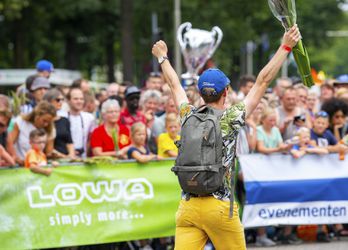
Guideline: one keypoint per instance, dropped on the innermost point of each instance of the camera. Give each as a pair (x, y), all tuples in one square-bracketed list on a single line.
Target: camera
[(301, 118), (80, 151)]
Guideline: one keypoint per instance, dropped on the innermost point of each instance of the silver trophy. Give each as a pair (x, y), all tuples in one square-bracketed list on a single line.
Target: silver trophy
[(197, 46)]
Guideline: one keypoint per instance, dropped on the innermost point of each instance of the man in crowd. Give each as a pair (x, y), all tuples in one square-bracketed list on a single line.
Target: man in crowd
[(246, 82), (112, 89), (302, 94), (288, 111), (82, 84), (81, 123), (131, 114), (327, 91), (154, 81), (282, 84)]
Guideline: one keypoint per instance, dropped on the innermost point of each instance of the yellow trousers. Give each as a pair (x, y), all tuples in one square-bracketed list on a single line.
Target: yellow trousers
[(201, 218)]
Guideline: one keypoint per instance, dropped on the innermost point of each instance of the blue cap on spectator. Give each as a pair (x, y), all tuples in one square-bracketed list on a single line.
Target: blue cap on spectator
[(44, 65), (342, 79), (213, 79)]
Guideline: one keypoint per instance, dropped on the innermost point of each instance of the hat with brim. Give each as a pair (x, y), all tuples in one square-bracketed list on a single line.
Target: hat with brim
[(44, 65), (132, 90), (213, 79), (39, 83), (341, 80)]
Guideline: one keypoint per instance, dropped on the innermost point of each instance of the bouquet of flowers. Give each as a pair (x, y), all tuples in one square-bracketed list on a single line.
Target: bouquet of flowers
[(285, 12)]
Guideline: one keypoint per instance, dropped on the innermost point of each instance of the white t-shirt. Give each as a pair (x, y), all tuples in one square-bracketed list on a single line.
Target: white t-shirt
[(22, 144), (80, 126)]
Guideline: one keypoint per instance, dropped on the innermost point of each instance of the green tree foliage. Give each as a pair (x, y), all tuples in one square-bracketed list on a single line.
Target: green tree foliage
[(82, 34)]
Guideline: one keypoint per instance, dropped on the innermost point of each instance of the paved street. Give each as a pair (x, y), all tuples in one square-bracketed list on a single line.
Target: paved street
[(335, 245)]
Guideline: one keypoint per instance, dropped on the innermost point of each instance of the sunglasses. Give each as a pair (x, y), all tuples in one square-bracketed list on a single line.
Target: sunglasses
[(59, 99), (155, 74), (322, 114)]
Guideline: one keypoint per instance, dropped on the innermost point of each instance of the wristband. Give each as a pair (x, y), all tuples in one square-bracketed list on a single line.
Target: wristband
[(286, 47)]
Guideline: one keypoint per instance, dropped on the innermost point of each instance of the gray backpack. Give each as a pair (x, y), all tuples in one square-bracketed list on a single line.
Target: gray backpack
[(199, 163)]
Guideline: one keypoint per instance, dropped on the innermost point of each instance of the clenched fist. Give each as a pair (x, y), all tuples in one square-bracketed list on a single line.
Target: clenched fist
[(160, 49)]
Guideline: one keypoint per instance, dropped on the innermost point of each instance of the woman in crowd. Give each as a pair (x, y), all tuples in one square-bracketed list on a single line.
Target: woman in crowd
[(150, 103), (5, 158), (138, 149), (42, 116), (338, 111), (110, 138), (63, 144)]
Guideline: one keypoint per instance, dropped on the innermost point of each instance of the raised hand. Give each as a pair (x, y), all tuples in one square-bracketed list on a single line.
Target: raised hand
[(160, 49), (292, 36)]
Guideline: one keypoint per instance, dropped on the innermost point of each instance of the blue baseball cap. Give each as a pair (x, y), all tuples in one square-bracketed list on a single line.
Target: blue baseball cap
[(213, 79), (44, 65)]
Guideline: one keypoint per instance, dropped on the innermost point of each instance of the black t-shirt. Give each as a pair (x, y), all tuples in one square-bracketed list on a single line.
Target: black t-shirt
[(3, 139), (63, 136)]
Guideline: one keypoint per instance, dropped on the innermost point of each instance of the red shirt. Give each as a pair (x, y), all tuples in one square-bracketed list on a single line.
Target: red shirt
[(128, 120), (100, 138)]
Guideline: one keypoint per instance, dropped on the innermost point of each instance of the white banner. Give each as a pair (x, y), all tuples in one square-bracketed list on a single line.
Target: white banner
[(281, 190)]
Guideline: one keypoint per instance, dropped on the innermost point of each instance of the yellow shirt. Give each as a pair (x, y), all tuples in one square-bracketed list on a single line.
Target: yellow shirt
[(166, 143)]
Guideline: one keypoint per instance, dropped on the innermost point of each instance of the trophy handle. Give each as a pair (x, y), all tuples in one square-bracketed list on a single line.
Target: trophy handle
[(179, 36), (219, 35)]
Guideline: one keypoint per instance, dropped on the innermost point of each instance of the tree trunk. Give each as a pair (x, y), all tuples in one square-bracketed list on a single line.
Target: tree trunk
[(70, 53), (110, 56), (18, 50), (127, 39)]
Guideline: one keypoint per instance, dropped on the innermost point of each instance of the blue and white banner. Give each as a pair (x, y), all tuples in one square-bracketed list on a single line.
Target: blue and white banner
[(281, 190)]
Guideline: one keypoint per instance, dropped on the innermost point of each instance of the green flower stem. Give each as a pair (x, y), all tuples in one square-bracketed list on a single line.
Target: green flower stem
[(303, 63), (114, 134)]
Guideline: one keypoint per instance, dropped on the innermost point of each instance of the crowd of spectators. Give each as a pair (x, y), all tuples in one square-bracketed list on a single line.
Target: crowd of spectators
[(296, 120), (129, 121)]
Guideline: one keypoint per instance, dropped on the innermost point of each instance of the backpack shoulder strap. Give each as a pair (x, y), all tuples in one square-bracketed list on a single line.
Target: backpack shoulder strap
[(202, 109)]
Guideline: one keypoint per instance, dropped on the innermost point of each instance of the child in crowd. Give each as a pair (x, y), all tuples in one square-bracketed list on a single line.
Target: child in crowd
[(138, 150), (35, 158), (323, 137), (269, 139), (166, 146), (305, 145)]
